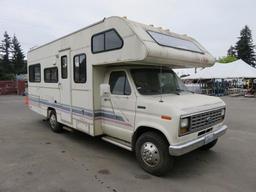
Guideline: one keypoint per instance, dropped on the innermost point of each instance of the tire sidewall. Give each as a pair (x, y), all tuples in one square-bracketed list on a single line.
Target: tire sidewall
[(55, 128), (165, 159)]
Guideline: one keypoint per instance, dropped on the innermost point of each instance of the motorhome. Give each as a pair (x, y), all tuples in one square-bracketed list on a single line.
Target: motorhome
[(114, 79)]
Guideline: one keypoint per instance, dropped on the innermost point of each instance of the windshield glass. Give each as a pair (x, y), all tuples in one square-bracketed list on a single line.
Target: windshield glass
[(157, 81)]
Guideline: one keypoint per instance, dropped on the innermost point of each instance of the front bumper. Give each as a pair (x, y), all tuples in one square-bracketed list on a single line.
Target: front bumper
[(177, 150)]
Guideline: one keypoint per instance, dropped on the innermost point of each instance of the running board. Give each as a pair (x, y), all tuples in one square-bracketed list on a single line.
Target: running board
[(118, 142)]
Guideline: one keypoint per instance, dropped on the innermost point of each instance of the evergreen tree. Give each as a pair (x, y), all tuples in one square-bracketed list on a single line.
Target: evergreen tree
[(232, 51), (5, 51), (245, 47), (17, 59), (1, 68)]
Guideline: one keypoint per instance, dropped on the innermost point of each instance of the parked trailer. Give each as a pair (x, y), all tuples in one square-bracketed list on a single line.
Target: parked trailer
[(114, 79)]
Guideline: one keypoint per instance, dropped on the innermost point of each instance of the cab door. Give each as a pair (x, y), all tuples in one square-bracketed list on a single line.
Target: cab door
[(118, 112), (65, 86)]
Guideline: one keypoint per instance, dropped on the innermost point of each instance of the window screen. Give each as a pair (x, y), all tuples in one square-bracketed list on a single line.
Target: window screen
[(80, 68), (35, 73), (106, 41), (64, 67), (51, 75), (170, 41), (119, 84)]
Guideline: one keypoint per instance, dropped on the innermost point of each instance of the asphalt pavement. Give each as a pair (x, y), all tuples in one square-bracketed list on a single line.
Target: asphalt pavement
[(32, 158)]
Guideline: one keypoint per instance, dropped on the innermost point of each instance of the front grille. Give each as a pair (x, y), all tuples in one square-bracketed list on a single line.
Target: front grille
[(205, 120)]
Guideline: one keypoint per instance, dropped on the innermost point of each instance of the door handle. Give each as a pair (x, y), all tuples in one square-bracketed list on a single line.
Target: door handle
[(59, 85), (106, 99)]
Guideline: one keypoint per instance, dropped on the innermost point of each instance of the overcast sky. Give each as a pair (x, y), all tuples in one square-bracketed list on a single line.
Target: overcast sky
[(214, 23)]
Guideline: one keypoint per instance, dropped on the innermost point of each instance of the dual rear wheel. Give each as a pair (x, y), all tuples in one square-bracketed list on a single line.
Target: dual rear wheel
[(53, 122)]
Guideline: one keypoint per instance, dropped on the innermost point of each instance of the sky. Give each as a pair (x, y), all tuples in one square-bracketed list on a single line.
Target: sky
[(216, 24)]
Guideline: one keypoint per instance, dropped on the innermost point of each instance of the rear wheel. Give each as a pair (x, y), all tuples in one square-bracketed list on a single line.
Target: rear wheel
[(54, 124), (209, 145), (152, 153)]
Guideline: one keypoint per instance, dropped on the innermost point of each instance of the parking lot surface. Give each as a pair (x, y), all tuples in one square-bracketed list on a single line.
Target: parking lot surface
[(32, 158)]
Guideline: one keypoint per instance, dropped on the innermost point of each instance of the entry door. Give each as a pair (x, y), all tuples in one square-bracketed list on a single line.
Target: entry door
[(118, 112), (65, 86)]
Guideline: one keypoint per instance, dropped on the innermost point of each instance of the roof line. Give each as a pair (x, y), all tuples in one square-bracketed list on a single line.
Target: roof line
[(101, 21)]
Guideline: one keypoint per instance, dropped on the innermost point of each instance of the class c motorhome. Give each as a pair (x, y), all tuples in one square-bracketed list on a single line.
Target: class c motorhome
[(114, 79)]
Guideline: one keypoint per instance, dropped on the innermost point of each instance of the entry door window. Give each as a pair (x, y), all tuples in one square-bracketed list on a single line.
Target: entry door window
[(64, 67), (119, 84)]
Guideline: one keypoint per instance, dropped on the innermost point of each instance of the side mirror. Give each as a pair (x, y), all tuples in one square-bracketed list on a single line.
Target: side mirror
[(105, 90)]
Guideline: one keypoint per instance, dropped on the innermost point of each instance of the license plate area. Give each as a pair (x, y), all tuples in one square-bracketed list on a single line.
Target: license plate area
[(208, 138)]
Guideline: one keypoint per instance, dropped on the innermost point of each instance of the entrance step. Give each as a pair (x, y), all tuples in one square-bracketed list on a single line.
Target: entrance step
[(118, 142)]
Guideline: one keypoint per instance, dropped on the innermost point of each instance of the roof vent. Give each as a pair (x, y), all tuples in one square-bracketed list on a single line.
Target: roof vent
[(151, 25), (125, 17)]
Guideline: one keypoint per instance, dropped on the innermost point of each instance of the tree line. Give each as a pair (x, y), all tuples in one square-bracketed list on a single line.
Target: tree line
[(244, 49), (12, 58)]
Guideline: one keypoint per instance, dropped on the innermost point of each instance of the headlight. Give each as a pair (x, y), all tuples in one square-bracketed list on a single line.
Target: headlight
[(184, 126), (222, 112), (184, 123)]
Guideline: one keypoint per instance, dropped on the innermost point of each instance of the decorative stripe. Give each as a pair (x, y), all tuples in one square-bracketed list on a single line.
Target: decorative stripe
[(90, 114)]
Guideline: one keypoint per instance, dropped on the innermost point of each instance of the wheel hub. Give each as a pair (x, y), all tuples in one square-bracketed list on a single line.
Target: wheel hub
[(150, 154), (53, 121)]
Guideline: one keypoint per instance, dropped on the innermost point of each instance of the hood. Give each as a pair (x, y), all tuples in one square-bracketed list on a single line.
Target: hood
[(190, 103)]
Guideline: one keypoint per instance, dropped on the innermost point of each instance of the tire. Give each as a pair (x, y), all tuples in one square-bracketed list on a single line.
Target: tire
[(209, 145), (55, 126), (152, 154)]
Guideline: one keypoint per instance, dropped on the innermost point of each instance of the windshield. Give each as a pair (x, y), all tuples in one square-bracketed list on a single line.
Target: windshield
[(157, 81)]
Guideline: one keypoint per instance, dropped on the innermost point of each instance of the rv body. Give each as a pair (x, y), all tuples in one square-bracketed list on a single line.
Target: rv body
[(95, 80)]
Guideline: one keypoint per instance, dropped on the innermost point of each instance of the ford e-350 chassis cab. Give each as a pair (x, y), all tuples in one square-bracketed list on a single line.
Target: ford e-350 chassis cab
[(114, 79)]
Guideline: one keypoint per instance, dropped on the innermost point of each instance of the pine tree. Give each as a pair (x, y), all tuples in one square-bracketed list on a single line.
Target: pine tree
[(232, 51), (5, 51), (17, 59), (245, 47), (1, 68)]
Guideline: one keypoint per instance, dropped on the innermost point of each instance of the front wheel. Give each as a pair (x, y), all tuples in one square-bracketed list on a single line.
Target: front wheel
[(152, 153)]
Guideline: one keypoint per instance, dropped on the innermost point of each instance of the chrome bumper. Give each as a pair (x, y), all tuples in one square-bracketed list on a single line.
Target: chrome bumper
[(177, 150)]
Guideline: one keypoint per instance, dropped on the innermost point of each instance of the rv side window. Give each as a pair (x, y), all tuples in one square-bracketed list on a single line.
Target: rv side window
[(80, 68), (64, 67), (174, 42), (35, 73), (112, 40), (51, 75), (106, 41), (98, 43), (119, 84)]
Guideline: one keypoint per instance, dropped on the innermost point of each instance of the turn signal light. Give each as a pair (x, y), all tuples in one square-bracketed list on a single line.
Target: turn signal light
[(183, 130), (166, 117)]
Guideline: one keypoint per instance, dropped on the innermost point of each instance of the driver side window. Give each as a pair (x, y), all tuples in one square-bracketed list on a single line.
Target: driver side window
[(119, 84)]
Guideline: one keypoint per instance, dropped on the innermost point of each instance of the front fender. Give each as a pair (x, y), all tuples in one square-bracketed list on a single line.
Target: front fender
[(153, 125)]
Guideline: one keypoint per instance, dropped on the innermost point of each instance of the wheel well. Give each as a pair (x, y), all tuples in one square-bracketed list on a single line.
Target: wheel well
[(48, 111), (145, 129)]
